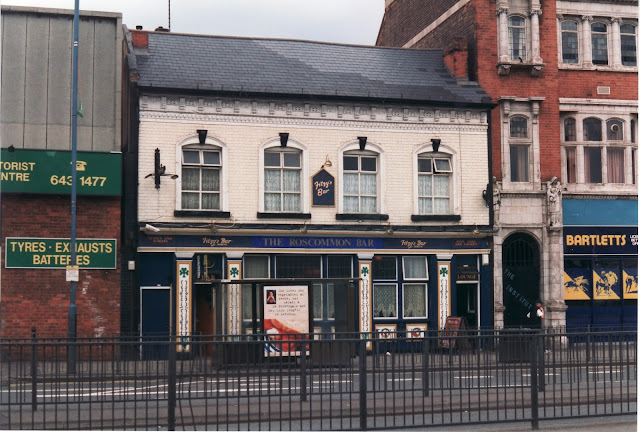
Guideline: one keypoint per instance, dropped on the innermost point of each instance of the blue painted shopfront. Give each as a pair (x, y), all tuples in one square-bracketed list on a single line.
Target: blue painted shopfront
[(601, 263)]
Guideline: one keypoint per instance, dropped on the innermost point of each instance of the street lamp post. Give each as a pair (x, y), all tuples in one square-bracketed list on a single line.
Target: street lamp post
[(71, 361)]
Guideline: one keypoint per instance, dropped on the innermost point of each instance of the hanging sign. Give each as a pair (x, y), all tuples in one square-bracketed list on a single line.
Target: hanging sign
[(323, 187)]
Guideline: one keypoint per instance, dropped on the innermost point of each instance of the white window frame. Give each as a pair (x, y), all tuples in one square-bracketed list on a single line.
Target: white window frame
[(426, 299), (304, 170), (224, 183), (381, 174), (373, 303), (454, 186), (527, 38), (426, 265), (607, 37)]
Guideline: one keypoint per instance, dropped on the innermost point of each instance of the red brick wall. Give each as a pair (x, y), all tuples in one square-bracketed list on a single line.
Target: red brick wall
[(40, 297), (581, 84), (403, 19)]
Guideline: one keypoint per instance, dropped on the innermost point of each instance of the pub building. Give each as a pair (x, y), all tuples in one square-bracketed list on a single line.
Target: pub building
[(368, 187), (601, 263)]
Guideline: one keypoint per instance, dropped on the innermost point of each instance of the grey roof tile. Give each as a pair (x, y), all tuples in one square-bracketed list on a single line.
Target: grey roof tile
[(293, 67)]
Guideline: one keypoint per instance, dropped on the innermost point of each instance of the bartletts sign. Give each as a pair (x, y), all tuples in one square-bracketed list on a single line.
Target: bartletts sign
[(56, 253), (49, 172)]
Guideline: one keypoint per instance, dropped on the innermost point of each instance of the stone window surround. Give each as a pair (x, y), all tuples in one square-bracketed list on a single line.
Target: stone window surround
[(511, 106), (584, 42), (224, 184), (304, 173), (531, 16), (455, 187), (580, 109), (381, 175)]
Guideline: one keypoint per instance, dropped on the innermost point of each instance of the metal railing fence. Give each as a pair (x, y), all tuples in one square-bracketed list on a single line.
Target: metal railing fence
[(317, 381)]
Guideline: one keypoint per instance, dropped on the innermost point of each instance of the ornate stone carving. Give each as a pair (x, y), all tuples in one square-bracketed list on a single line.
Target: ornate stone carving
[(554, 201)]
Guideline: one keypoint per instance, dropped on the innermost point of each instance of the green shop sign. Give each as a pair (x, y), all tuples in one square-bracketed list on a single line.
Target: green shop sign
[(49, 172), (56, 253)]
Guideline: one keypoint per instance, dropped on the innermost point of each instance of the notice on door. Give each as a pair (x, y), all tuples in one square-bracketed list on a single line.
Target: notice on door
[(286, 318)]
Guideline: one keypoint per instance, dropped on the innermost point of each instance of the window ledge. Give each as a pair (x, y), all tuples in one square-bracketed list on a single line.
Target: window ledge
[(202, 213), (435, 218), (504, 67), (362, 216), (602, 68), (284, 215)]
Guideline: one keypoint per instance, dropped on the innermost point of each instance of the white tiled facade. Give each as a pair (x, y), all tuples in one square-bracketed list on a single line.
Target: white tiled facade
[(243, 127)]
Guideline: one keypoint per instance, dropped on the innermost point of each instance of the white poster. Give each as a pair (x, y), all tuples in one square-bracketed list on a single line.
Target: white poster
[(286, 318)]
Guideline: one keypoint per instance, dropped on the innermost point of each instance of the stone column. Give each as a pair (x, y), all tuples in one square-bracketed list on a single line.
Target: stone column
[(616, 49), (587, 54), (535, 36)]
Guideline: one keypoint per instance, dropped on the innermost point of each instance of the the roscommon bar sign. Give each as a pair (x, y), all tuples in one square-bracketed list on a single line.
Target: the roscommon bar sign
[(56, 253), (49, 172)]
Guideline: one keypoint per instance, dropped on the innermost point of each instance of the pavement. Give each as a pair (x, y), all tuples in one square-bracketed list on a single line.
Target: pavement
[(618, 423)]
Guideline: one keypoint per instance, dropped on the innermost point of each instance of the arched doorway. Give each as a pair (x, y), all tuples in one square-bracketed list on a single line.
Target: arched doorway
[(521, 278)]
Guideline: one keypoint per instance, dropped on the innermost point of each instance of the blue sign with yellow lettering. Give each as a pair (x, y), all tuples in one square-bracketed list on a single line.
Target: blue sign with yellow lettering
[(323, 187), (604, 240)]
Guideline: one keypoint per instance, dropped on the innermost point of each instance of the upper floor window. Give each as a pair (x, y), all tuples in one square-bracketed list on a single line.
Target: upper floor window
[(282, 180), (517, 38), (360, 181), (201, 165), (628, 44), (600, 54), (592, 128), (434, 183), (570, 129), (601, 157), (569, 41), (614, 130), (519, 148)]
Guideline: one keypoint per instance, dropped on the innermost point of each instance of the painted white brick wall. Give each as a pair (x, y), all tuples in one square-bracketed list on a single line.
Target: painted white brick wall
[(243, 139)]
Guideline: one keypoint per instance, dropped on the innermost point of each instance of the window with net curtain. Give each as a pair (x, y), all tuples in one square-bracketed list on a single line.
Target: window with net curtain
[(434, 183), (615, 155), (519, 149), (282, 180), (360, 182), (517, 38), (200, 177), (415, 293)]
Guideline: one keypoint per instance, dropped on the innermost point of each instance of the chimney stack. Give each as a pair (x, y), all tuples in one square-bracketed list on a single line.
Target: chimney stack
[(457, 58)]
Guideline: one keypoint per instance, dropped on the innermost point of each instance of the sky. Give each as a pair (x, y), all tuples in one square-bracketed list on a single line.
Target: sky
[(341, 21)]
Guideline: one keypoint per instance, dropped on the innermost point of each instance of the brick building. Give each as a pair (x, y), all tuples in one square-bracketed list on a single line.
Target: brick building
[(36, 167), (282, 159), (564, 146)]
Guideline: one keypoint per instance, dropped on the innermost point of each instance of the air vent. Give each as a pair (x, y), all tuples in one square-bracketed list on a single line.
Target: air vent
[(604, 90)]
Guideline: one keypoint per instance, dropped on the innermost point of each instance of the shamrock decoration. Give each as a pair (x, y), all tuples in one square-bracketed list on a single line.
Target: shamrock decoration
[(184, 272), (234, 272), (443, 271), (365, 271)]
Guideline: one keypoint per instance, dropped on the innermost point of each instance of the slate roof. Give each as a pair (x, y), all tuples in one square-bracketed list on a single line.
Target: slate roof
[(300, 68)]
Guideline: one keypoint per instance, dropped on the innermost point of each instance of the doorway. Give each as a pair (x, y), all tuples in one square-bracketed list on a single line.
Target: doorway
[(467, 303), (521, 278)]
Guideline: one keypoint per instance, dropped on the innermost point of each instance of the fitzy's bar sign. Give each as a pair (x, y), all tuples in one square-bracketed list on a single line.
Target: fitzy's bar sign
[(56, 253), (49, 172)]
